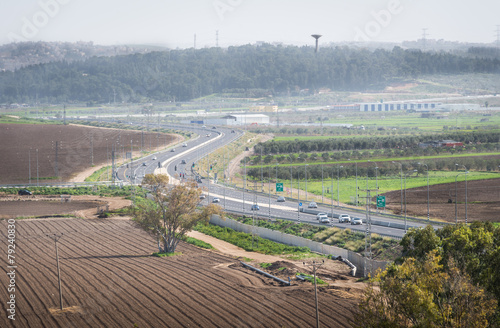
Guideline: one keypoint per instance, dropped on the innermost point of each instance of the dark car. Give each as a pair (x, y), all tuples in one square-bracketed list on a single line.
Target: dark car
[(255, 207), (24, 192)]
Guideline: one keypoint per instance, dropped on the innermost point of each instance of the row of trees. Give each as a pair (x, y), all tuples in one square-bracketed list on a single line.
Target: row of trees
[(365, 168), (445, 278), (382, 142), (190, 73)]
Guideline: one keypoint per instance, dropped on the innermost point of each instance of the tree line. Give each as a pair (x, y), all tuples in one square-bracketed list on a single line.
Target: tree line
[(383, 142), (186, 74)]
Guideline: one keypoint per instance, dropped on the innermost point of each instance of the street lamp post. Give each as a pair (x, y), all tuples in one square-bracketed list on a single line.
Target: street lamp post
[(305, 171), (427, 169), (465, 169), (456, 191), (401, 175), (331, 190), (338, 185), (322, 187), (406, 175), (376, 176), (276, 189), (298, 196), (269, 191), (37, 183)]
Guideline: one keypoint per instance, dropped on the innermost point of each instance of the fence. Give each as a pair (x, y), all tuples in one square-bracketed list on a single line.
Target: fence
[(357, 259)]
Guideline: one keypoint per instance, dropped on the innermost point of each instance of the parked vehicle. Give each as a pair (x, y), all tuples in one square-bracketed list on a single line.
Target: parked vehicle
[(24, 192), (280, 199), (312, 205), (356, 221), (344, 218)]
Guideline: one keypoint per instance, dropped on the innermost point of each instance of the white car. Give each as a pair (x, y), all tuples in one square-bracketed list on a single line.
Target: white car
[(356, 221), (324, 220), (216, 200), (344, 218), (312, 205), (319, 216), (154, 158)]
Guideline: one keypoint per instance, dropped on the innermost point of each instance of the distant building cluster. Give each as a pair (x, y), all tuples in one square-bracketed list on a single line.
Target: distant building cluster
[(236, 119), (417, 107)]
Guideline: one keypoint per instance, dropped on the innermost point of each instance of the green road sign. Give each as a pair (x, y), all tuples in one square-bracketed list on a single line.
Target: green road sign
[(279, 186), (380, 201)]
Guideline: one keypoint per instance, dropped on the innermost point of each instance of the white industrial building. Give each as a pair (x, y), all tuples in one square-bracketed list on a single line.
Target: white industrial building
[(239, 119), (418, 107)]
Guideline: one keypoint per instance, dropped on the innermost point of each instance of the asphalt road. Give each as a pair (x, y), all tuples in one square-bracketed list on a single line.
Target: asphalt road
[(178, 161)]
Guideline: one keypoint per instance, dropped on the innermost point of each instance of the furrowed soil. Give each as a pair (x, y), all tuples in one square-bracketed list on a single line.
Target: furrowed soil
[(65, 150), (483, 201), (109, 279)]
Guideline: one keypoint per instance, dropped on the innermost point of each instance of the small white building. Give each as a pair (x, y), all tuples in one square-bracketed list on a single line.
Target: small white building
[(239, 119)]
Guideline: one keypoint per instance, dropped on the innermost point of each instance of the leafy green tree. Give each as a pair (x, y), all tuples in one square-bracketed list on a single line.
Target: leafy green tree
[(424, 294), (172, 212)]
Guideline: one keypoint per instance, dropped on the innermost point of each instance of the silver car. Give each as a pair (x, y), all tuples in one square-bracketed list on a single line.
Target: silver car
[(356, 221)]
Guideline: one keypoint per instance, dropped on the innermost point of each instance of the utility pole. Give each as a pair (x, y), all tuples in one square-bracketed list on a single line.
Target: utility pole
[(315, 265), (92, 148), (368, 236), (57, 151), (29, 166), (56, 237), (37, 184)]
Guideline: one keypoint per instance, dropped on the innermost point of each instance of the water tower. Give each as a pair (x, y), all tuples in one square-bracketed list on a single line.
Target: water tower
[(316, 36)]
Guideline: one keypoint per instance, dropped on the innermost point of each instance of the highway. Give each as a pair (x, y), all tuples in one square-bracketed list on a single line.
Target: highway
[(178, 162)]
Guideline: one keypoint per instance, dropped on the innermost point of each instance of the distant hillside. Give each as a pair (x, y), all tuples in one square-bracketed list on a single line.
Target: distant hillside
[(253, 71), (17, 55)]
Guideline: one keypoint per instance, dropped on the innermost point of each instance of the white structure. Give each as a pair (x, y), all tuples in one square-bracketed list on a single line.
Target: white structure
[(418, 107), (239, 119)]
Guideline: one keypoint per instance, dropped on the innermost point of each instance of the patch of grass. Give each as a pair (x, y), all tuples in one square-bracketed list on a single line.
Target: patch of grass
[(246, 241), (199, 243), (281, 269), (265, 265), (157, 254), (310, 278), (246, 259)]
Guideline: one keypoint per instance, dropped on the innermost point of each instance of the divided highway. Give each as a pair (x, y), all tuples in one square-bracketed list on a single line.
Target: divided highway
[(178, 161)]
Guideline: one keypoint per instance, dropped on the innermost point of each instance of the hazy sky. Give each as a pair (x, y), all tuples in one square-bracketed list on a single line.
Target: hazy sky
[(174, 23)]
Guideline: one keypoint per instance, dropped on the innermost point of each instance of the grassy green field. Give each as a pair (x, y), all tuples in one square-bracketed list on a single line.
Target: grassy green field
[(347, 186)]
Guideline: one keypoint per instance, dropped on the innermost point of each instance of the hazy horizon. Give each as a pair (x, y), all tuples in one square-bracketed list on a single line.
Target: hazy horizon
[(174, 23)]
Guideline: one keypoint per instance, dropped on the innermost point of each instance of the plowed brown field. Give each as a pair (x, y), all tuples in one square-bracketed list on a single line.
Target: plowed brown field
[(75, 147), (483, 201), (109, 280)]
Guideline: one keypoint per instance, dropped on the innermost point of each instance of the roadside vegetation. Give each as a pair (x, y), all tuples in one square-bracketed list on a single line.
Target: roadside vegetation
[(248, 242), (383, 248)]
